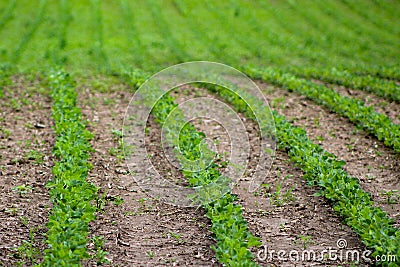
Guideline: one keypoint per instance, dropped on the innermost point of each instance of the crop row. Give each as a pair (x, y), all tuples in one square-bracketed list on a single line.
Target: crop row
[(65, 17), (322, 169), (8, 13), (70, 193), (384, 88), (33, 26), (372, 122), (392, 73), (365, 11), (228, 225)]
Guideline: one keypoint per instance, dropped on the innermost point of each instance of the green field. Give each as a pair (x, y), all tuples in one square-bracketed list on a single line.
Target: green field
[(68, 69), (360, 36)]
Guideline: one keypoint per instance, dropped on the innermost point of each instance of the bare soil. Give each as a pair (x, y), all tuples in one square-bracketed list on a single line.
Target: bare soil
[(25, 167)]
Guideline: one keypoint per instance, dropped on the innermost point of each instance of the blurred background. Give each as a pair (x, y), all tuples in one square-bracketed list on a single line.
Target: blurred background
[(110, 34)]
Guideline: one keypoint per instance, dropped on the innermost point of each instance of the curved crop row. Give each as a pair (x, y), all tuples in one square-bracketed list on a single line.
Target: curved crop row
[(375, 123), (384, 88), (368, 14), (33, 26), (7, 13), (228, 224), (385, 72), (324, 170), (97, 25), (65, 18), (69, 192)]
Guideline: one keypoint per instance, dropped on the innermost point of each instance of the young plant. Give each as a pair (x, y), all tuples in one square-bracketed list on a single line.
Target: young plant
[(27, 250), (279, 198), (22, 190), (305, 240), (150, 254), (392, 196), (99, 253), (34, 155)]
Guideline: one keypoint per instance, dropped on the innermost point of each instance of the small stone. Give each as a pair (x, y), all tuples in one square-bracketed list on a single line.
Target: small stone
[(40, 126), (121, 171)]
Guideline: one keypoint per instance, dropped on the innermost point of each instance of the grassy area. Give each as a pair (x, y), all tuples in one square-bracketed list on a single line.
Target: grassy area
[(108, 35)]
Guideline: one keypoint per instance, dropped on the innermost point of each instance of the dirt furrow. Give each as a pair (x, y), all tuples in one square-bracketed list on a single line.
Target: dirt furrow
[(26, 159), (138, 230), (375, 166), (389, 108)]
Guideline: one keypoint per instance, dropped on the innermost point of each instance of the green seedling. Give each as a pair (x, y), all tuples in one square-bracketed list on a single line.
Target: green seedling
[(15, 104), (282, 226), (122, 150), (117, 134), (29, 125), (101, 202), (278, 102), (174, 235), (22, 190), (370, 177), (24, 221), (317, 122), (266, 186), (150, 254), (142, 201), (108, 101), (13, 211), (305, 240), (34, 155), (118, 201), (6, 133), (112, 151), (28, 143), (279, 197), (392, 196), (99, 253), (27, 250), (178, 237)]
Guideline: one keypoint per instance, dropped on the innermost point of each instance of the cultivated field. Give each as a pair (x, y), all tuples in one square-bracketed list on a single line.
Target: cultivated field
[(79, 160)]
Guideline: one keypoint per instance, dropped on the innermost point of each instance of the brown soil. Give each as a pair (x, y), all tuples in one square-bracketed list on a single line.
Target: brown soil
[(367, 159), (26, 129), (389, 108), (141, 231)]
